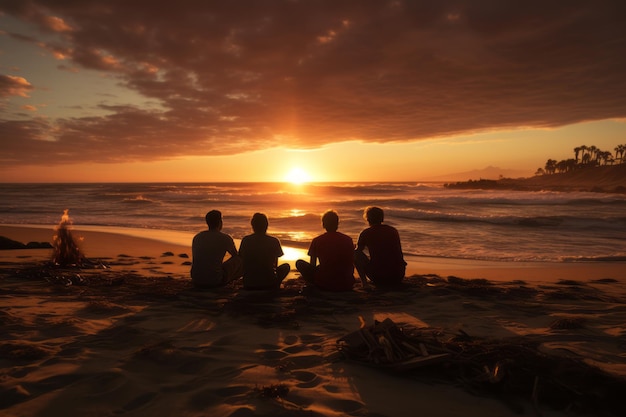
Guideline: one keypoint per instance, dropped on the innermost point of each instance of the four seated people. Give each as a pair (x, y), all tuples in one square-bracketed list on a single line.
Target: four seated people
[(333, 256)]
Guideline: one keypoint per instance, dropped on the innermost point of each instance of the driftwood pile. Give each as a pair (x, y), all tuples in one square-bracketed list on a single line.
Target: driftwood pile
[(385, 344), (513, 370)]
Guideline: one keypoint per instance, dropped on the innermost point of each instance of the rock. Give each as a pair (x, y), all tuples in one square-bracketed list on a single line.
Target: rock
[(6, 244), (38, 245)]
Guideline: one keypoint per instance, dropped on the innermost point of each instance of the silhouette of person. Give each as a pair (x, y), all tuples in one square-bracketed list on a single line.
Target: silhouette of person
[(385, 265), (335, 252), (260, 252), (208, 248)]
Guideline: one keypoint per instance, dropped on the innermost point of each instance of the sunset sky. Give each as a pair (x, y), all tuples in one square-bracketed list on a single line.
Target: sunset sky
[(356, 90)]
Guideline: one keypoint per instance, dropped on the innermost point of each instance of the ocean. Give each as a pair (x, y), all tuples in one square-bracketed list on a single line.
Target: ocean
[(433, 221)]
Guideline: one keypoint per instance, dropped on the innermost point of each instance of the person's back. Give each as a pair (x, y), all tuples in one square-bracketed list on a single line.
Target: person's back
[(383, 243), (260, 253), (385, 265), (335, 252), (208, 249)]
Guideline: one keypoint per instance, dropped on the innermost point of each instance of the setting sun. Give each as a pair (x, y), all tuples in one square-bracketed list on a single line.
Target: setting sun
[(297, 176)]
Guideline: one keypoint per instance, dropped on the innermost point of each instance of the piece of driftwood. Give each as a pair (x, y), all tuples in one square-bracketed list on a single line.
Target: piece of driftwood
[(513, 370)]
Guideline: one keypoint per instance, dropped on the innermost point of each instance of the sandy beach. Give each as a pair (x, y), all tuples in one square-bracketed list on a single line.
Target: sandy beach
[(128, 335)]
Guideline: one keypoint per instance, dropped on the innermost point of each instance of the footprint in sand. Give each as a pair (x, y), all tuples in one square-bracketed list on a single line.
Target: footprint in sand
[(232, 391), (346, 406), (138, 402), (307, 379), (267, 346), (229, 371), (295, 349), (310, 338), (273, 354), (334, 389)]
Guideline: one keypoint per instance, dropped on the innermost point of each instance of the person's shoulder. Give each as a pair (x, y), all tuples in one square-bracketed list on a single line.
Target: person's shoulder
[(319, 237), (200, 234), (340, 235), (367, 230), (255, 237), (226, 236), (273, 238)]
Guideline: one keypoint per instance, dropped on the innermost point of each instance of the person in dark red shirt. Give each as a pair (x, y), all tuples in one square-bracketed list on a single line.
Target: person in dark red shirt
[(385, 265), (335, 253)]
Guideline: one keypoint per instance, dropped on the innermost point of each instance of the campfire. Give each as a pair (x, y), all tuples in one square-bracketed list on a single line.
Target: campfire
[(66, 250)]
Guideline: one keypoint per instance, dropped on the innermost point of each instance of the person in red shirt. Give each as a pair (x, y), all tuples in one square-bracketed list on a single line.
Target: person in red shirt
[(335, 253), (385, 265)]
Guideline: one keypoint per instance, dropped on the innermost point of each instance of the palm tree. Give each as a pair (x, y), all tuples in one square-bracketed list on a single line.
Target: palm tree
[(584, 150), (592, 152), (570, 164), (577, 151), (585, 159), (605, 156), (619, 152), (550, 166)]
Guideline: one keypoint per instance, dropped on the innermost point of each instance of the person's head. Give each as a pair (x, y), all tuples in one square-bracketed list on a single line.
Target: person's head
[(214, 219), (330, 221), (259, 223), (374, 215)]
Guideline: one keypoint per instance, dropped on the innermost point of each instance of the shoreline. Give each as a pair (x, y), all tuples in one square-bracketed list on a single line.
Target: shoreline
[(106, 243)]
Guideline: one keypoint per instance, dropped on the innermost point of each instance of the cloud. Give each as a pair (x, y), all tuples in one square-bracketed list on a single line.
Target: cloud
[(245, 75), (11, 85)]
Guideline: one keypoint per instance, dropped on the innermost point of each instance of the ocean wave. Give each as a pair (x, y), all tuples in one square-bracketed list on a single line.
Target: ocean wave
[(139, 199), (487, 217), (616, 258)]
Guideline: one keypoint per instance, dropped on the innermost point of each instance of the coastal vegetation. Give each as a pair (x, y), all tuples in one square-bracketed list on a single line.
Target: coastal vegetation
[(591, 169), (584, 157)]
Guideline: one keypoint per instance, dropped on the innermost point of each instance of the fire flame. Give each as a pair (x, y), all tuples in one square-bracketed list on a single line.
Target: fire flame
[(66, 249)]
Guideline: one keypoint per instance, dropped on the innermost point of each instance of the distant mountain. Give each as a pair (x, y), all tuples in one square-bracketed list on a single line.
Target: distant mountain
[(489, 173)]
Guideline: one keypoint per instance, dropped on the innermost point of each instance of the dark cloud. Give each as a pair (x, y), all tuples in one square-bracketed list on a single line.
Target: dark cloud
[(243, 75)]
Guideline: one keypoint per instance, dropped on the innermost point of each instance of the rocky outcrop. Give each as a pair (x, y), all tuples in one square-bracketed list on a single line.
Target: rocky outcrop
[(7, 244)]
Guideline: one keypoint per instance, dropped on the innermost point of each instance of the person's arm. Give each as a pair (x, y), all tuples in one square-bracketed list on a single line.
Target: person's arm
[(360, 246), (400, 247), (313, 260), (279, 252), (231, 248), (242, 246)]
